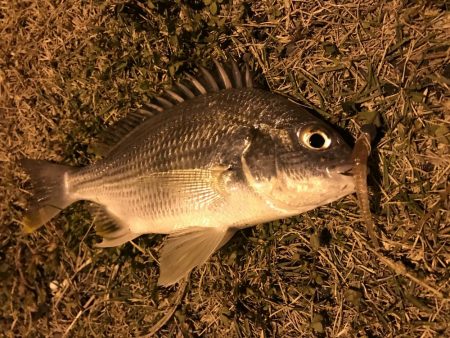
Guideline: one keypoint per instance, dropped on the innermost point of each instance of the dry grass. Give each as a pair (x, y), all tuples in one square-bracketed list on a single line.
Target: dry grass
[(68, 67)]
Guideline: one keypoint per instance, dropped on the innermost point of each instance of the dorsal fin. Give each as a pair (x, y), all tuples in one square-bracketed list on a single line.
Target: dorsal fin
[(115, 133), (224, 76)]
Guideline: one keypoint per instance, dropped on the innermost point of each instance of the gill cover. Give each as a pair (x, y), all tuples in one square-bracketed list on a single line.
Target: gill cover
[(261, 167)]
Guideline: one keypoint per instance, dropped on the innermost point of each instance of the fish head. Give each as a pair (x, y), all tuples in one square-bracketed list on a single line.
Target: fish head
[(299, 164)]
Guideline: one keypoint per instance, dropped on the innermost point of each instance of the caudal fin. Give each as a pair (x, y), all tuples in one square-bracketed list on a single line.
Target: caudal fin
[(50, 194)]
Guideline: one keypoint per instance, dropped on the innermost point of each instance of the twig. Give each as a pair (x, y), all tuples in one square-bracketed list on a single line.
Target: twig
[(402, 270), (85, 307), (169, 314)]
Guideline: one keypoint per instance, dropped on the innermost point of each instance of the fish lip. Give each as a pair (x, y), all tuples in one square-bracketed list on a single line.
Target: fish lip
[(345, 169)]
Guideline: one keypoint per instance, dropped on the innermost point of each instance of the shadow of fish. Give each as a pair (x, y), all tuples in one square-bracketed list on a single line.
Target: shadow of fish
[(211, 156)]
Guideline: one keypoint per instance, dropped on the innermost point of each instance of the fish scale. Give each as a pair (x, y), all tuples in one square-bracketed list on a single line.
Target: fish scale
[(213, 156)]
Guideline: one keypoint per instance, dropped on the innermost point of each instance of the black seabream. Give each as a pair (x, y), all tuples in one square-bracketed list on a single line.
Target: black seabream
[(211, 156)]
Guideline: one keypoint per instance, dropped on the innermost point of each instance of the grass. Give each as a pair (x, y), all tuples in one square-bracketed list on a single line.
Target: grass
[(69, 67)]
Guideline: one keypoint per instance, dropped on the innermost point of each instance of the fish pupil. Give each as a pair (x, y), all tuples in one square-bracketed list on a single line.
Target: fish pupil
[(316, 141)]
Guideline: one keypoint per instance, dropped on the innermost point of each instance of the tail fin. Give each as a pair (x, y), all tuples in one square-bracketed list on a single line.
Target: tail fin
[(50, 192)]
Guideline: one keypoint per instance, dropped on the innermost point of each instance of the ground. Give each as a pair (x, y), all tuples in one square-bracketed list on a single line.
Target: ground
[(70, 67)]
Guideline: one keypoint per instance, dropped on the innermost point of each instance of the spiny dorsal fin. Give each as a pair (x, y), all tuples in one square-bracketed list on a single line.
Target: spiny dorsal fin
[(224, 76)]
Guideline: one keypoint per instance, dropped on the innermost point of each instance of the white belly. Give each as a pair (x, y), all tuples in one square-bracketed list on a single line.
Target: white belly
[(239, 210)]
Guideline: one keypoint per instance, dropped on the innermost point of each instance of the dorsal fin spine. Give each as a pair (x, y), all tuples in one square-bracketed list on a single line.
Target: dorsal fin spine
[(164, 102), (237, 75), (197, 84), (153, 107), (145, 112), (248, 78), (174, 95), (186, 91), (209, 79), (223, 75)]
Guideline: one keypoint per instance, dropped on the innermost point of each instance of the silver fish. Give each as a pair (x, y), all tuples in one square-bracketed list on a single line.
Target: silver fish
[(212, 156)]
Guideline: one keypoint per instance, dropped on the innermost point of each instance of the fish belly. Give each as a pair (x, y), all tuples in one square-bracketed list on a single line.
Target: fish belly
[(237, 211), (149, 208)]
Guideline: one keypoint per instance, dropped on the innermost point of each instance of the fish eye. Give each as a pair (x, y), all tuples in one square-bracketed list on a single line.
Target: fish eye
[(315, 139)]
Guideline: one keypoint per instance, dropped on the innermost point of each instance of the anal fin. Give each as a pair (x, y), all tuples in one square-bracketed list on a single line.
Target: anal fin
[(113, 230), (187, 249)]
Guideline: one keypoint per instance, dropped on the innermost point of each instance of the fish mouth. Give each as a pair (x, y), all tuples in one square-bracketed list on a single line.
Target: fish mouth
[(345, 169)]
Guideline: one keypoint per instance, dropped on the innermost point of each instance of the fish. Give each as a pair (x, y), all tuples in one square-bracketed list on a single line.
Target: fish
[(212, 155)]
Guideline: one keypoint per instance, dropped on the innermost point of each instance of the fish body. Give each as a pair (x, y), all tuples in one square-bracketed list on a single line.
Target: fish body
[(218, 156)]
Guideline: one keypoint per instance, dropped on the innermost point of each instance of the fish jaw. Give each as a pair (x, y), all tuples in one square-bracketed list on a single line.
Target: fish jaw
[(319, 188), (291, 196)]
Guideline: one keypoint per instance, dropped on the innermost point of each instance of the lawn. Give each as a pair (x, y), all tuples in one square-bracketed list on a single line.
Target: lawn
[(68, 68)]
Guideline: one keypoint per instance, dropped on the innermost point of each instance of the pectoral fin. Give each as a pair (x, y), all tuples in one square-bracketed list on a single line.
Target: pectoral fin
[(187, 249), (200, 186)]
